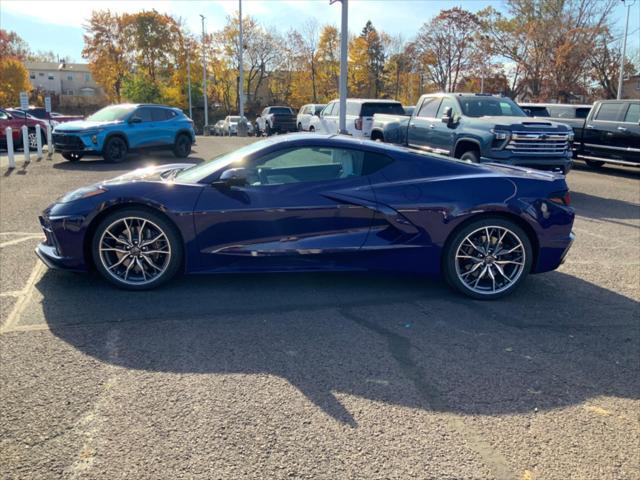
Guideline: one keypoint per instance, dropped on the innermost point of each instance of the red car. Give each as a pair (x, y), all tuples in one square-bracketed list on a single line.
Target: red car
[(15, 120), (42, 114)]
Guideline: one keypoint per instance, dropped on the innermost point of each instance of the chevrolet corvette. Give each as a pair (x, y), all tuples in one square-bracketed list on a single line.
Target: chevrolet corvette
[(307, 202)]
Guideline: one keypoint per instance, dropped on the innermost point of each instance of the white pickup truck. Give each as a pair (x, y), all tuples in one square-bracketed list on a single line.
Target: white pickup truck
[(360, 112)]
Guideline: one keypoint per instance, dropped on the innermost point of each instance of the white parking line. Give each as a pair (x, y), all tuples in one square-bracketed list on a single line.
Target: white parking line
[(38, 269), (20, 240)]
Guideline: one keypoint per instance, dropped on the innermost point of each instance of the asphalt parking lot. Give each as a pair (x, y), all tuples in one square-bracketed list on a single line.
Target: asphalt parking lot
[(319, 375)]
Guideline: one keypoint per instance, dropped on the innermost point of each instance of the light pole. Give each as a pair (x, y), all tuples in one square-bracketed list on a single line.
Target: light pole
[(241, 129), (204, 81), (344, 42), (189, 82), (628, 4)]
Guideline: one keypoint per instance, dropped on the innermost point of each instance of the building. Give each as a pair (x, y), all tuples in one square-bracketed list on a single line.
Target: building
[(631, 87), (71, 84)]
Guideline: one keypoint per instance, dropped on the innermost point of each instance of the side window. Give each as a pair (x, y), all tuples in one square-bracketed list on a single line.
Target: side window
[(610, 111), (633, 113), (306, 164), (353, 108), (336, 109), (329, 109), (374, 162), (264, 112), (159, 114), (3, 116), (429, 107), (144, 113), (582, 112), (447, 102)]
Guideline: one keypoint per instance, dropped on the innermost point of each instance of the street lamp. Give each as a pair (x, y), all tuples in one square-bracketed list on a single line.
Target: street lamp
[(344, 37), (628, 4), (189, 81), (204, 81)]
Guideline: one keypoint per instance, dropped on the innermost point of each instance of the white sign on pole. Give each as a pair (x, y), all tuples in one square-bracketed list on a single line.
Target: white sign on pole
[(47, 104), (24, 100)]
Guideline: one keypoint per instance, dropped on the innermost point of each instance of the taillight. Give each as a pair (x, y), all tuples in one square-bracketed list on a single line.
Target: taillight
[(359, 123), (561, 198)]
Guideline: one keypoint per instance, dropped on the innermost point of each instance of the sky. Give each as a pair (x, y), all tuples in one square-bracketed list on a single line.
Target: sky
[(57, 24)]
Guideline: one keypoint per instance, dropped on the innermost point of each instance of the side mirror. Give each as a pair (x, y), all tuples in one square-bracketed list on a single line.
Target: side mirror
[(234, 177), (447, 117), (135, 120)]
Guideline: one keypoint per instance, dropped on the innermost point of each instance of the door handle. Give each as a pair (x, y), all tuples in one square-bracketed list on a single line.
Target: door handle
[(622, 129), (590, 126)]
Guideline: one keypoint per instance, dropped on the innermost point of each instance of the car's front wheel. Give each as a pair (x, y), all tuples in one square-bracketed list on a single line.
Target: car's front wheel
[(136, 249), (182, 147), (312, 129), (471, 156), (488, 258), (72, 156), (115, 150)]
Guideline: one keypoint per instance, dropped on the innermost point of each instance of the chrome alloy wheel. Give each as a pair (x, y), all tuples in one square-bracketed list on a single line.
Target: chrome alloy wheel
[(134, 250), (490, 259)]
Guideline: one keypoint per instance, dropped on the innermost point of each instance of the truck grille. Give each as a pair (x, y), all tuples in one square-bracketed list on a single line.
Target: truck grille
[(538, 143), (68, 141)]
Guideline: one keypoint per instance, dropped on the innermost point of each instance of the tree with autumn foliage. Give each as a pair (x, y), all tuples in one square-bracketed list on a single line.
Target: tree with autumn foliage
[(14, 78)]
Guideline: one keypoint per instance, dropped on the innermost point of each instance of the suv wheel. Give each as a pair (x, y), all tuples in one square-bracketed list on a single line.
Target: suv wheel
[(594, 163), (488, 258), (471, 156), (182, 147), (115, 150)]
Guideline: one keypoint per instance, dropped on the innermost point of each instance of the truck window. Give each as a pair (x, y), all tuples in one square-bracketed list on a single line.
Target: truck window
[(582, 112), (447, 102), (429, 107), (533, 111), (329, 109), (478, 106), (353, 108), (369, 109), (281, 110), (610, 112), (633, 114)]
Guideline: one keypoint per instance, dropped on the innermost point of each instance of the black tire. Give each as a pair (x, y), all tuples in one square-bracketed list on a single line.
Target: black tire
[(182, 146), (33, 143), (457, 242), (594, 163), (299, 127), (72, 156), (471, 156), (115, 150), (267, 129), (173, 239), (312, 129)]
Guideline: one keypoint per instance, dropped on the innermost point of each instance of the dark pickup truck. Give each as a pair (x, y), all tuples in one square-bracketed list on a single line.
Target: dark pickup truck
[(479, 128), (607, 132), (276, 120)]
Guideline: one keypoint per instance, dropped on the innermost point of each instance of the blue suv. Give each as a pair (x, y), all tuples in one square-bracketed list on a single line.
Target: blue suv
[(118, 129)]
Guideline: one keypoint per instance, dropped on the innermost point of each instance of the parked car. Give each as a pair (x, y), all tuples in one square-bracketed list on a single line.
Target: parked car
[(42, 114), (217, 128), (306, 202), (409, 110), (8, 118), (305, 114), (608, 132), (115, 130), (276, 120), (479, 128), (359, 116), (230, 125)]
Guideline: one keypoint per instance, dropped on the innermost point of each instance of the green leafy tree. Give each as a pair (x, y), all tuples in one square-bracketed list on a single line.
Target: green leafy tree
[(139, 88)]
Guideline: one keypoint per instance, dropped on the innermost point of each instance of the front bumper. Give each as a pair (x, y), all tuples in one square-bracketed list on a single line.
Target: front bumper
[(64, 244), (73, 143), (557, 164)]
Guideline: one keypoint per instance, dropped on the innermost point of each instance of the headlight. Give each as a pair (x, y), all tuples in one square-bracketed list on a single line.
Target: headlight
[(501, 134), (571, 136), (84, 192)]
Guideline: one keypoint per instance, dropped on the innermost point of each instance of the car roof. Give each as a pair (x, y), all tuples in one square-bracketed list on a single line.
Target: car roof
[(368, 100), (576, 105)]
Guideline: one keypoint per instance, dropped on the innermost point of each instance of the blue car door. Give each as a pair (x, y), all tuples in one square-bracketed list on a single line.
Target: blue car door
[(443, 134), (299, 205), (164, 125), (421, 124), (142, 133)]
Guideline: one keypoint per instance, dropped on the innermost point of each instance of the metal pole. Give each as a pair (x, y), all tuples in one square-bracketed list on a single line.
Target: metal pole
[(344, 39), (9, 134), (25, 144), (624, 48), (189, 82), (240, 64), (204, 81)]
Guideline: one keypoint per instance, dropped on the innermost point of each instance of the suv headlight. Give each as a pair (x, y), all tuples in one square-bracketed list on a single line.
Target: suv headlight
[(500, 138), (571, 136)]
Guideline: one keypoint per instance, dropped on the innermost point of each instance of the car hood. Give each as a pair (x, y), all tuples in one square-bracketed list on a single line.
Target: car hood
[(154, 172), (523, 123), (83, 125)]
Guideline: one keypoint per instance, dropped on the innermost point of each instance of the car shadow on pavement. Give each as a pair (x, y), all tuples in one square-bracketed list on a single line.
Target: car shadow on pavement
[(609, 170), (132, 162), (592, 206), (400, 340)]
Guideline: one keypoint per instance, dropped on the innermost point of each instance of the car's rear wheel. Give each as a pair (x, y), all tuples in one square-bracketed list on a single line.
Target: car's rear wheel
[(312, 129), (471, 156), (299, 127), (594, 163), (182, 147), (115, 150), (488, 258), (72, 156), (136, 249)]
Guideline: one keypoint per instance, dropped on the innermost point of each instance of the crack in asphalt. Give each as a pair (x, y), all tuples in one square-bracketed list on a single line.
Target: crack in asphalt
[(400, 348)]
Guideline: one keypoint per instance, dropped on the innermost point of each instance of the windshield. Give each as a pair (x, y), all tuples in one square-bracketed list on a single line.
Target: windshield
[(234, 119), (477, 106), (370, 109), (281, 110), (198, 172), (112, 113)]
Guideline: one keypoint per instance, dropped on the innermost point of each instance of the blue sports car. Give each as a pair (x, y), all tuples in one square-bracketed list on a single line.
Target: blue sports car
[(118, 129), (306, 202)]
